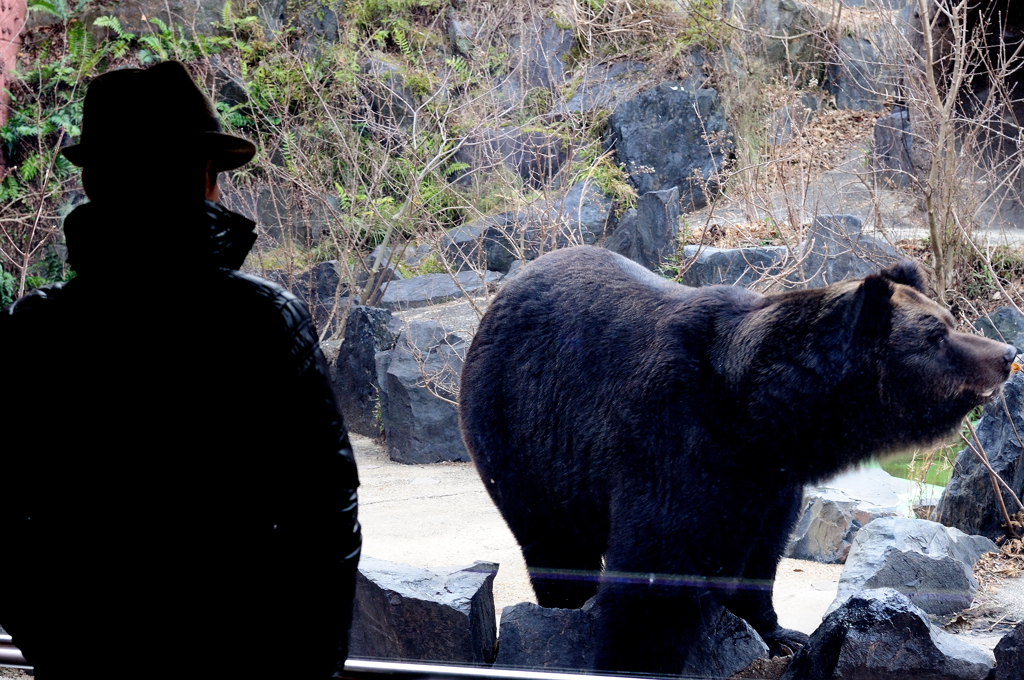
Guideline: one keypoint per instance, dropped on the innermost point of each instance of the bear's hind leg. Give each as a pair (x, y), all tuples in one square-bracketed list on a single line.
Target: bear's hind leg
[(564, 574)]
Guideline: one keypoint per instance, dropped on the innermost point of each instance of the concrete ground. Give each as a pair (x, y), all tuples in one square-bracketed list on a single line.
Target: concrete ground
[(441, 516)]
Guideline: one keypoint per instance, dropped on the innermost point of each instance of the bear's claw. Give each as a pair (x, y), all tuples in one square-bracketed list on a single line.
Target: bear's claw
[(784, 642)]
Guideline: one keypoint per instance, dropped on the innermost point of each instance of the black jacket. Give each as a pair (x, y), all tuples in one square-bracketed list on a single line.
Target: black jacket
[(178, 489)]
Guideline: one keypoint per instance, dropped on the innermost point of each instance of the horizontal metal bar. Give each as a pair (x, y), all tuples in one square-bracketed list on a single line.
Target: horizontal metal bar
[(365, 669)]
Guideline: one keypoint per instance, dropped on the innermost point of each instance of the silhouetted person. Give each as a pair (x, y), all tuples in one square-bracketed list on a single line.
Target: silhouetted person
[(178, 490)]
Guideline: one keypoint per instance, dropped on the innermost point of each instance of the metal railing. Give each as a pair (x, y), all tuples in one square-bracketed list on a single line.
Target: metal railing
[(366, 669)]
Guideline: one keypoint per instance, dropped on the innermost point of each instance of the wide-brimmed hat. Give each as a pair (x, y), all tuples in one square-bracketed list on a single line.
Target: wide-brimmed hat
[(157, 112)]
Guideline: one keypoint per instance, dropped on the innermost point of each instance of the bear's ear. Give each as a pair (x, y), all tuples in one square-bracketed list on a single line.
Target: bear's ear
[(875, 305), (908, 273)]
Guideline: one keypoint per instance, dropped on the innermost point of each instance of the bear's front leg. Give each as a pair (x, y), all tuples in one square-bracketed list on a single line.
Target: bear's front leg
[(752, 598), (648, 623)]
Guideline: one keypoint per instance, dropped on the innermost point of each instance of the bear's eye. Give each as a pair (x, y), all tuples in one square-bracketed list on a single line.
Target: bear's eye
[(937, 337)]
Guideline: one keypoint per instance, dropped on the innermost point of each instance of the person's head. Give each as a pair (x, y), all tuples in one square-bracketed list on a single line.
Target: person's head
[(151, 135)]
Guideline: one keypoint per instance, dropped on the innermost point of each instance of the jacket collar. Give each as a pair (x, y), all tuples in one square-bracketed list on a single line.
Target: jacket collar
[(108, 238)]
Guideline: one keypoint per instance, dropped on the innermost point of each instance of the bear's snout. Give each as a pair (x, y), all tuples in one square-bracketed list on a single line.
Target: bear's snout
[(1009, 356)]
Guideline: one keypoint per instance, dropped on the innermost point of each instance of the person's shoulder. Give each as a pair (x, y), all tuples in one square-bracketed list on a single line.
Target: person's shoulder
[(267, 296)]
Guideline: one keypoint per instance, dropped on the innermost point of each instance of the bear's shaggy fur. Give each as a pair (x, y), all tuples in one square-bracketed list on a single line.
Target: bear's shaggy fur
[(650, 442)]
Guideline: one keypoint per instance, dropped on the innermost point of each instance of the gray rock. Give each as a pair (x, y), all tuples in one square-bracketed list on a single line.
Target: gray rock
[(534, 155), (927, 562), (133, 15), (409, 255), (668, 134), (880, 634), (484, 244), (320, 287), (407, 613), (731, 266), (1010, 655), (534, 637), (224, 81), (394, 104), (785, 17), (647, 235), (783, 121), (538, 60), (554, 639), (829, 523), (461, 34), (602, 87), (431, 289), (862, 74), (316, 26), (1004, 324), (969, 502), (285, 214), (836, 251), (419, 379), (578, 217), (354, 374), (891, 152)]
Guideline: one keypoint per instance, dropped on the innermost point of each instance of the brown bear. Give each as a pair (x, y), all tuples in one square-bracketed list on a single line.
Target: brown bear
[(649, 442)]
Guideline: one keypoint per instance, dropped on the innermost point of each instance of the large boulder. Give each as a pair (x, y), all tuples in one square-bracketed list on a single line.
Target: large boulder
[(1010, 655), (536, 54), (863, 71), (1004, 324), (705, 266), (535, 637), (419, 382), (879, 634), (836, 250), (412, 614), (393, 102), (969, 502), (602, 86), (929, 563), (354, 371), (431, 289), (647, 234), (891, 151), (672, 136), (485, 244), (534, 155), (580, 216), (286, 213), (835, 511)]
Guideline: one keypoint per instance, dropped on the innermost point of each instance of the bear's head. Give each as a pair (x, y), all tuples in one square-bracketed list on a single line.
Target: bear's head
[(856, 369), (932, 376)]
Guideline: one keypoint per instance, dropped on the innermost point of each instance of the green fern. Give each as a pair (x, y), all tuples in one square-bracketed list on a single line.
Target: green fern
[(225, 13), (459, 65), (288, 147), (57, 8), (402, 42)]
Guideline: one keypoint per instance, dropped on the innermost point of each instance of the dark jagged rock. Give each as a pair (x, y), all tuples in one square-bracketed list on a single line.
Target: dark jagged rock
[(647, 235), (554, 639), (537, 56), (880, 635), (602, 87), (1010, 656), (862, 73), (535, 637), (929, 563), (535, 156), (829, 524), (891, 152), (407, 613), (668, 134), (354, 374), (418, 381), (836, 250), (431, 289), (484, 244), (730, 266), (391, 100), (1004, 324), (969, 502), (579, 217), (286, 214)]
